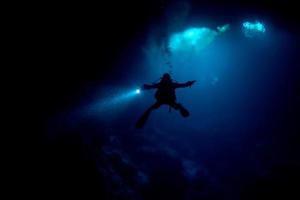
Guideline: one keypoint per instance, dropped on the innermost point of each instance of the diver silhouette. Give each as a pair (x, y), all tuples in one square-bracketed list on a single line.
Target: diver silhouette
[(165, 95)]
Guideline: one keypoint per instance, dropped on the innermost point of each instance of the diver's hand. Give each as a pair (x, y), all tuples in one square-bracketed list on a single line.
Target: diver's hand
[(190, 83)]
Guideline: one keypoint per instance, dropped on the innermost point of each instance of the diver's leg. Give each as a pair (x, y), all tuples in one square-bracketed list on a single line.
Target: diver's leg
[(142, 120), (184, 112)]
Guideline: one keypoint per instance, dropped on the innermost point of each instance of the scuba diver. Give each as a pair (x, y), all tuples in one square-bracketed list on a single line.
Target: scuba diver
[(165, 95)]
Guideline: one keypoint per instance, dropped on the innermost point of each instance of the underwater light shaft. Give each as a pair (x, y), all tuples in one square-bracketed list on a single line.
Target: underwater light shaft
[(254, 26), (195, 38), (251, 29)]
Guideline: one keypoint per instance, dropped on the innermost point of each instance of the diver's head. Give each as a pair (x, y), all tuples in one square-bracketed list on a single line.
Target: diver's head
[(166, 78)]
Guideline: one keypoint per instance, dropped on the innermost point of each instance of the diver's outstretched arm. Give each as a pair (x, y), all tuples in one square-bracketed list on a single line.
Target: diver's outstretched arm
[(183, 85), (148, 87)]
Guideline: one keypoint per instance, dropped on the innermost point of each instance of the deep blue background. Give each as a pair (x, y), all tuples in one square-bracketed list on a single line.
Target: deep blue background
[(240, 142)]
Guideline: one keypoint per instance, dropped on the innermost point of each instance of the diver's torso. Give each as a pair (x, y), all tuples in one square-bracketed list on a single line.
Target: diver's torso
[(165, 93)]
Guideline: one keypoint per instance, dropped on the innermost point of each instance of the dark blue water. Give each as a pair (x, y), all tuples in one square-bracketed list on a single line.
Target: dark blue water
[(240, 141)]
